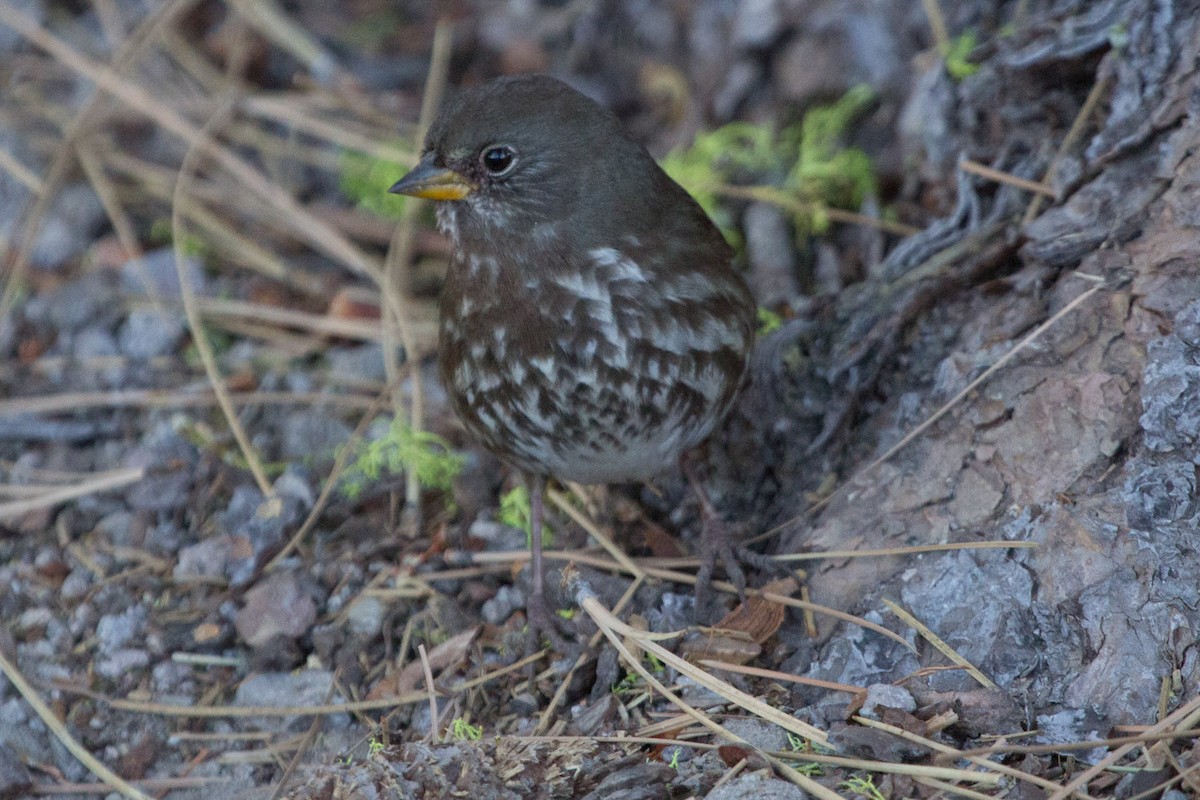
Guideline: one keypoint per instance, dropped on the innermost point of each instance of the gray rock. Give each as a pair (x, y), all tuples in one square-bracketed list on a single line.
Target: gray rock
[(365, 616), (147, 333), (206, 559), (887, 696), (758, 786), (275, 607), (772, 254), (156, 270), (15, 780), (117, 526), (168, 459), (763, 735), (69, 227), (122, 662), (304, 688), (500, 607), (93, 341), (78, 303), (496, 536), (312, 433), (758, 23), (114, 631), (359, 363)]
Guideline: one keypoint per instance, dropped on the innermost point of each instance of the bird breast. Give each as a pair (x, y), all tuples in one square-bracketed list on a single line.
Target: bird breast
[(600, 372)]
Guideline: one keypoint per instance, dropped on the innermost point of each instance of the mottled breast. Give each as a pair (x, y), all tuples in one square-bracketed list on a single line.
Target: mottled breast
[(597, 371)]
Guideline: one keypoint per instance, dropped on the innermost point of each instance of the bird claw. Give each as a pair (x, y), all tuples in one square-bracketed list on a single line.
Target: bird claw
[(717, 546), (541, 621)]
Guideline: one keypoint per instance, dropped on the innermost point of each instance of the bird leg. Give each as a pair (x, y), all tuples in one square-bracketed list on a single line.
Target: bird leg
[(717, 543), (541, 619)]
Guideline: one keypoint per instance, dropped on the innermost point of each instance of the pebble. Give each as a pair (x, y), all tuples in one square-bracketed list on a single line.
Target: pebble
[(885, 695), (758, 786), (365, 616), (148, 332), (500, 607), (304, 688), (277, 606), (157, 270)]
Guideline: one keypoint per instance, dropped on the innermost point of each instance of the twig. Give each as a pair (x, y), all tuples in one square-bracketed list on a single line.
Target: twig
[(107, 482), (1073, 134), (941, 646), (984, 171)]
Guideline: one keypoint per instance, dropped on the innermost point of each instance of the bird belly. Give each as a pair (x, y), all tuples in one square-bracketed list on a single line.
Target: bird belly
[(573, 414)]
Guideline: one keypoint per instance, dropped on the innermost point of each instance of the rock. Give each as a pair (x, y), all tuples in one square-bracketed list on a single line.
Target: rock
[(114, 631), (772, 255), (312, 434), (500, 607), (78, 303), (210, 558), (763, 735), (355, 364), (304, 688), (275, 607), (365, 616), (148, 332), (758, 786), (886, 695), (69, 228), (156, 270), (121, 662), (15, 781)]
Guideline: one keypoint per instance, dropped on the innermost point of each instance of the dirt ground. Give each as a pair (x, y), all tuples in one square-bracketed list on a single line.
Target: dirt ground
[(972, 433)]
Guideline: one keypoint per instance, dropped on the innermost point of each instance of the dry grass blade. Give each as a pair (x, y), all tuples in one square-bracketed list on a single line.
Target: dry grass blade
[(110, 778), (905, 551), (618, 555), (298, 219), (153, 398), (53, 496), (894, 768), (188, 294), (955, 754), (941, 646), (782, 677), (984, 171), (614, 630), (431, 691), (1184, 717)]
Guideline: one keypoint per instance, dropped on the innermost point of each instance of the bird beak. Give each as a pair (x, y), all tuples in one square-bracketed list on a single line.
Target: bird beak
[(433, 183)]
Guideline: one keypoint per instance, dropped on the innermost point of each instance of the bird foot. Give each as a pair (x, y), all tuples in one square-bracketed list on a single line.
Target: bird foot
[(542, 621), (717, 545)]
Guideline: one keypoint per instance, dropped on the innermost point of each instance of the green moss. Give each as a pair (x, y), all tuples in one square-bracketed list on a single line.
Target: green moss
[(956, 55), (366, 180), (768, 321), (516, 512), (430, 457), (804, 168)]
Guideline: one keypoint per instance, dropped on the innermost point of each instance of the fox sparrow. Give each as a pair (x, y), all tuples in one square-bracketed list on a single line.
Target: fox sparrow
[(592, 326)]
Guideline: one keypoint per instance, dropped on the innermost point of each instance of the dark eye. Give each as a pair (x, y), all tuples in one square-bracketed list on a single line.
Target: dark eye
[(498, 160)]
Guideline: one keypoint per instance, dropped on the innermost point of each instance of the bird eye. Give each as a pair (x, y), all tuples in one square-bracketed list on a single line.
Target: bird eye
[(498, 160)]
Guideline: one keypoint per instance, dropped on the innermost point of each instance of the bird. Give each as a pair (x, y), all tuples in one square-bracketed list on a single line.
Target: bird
[(593, 327)]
